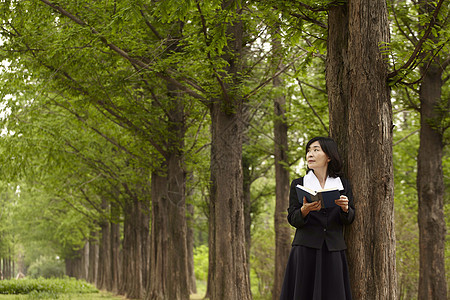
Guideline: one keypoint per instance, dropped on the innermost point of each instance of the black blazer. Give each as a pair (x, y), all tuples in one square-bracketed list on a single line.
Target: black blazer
[(326, 224)]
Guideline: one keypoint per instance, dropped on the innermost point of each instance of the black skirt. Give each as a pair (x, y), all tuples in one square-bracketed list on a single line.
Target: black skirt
[(316, 274)]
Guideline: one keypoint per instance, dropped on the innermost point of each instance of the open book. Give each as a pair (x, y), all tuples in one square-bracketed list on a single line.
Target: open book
[(326, 196)]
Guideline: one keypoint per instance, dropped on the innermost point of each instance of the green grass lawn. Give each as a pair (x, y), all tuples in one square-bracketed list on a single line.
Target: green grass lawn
[(93, 296), (56, 288), (63, 289)]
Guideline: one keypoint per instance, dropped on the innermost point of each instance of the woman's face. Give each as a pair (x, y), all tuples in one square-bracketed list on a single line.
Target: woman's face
[(316, 158)]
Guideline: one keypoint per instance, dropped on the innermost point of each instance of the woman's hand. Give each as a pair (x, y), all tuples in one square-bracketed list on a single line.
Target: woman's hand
[(343, 203), (307, 207)]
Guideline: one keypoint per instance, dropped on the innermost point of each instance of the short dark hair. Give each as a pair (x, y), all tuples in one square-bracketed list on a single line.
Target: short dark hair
[(330, 148)]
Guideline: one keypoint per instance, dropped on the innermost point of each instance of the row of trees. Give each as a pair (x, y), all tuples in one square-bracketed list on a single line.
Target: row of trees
[(134, 129)]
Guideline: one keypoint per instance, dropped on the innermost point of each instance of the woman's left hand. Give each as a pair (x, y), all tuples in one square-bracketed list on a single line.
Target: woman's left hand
[(343, 203)]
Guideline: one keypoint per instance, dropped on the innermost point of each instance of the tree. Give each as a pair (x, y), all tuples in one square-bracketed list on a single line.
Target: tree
[(107, 94), (434, 109), (361, 122), (282, 230), (228, 270), (430, 187), (432, 58), (112, 98)]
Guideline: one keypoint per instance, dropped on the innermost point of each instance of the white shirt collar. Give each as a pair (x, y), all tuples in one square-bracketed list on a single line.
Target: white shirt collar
[(310, 181)]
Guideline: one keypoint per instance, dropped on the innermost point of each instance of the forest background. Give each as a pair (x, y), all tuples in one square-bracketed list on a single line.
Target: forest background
[(147, 143)]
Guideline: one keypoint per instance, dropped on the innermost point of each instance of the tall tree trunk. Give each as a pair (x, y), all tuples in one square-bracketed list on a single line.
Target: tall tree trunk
[(85, 262), (229, 272), (68, 266), (115, 256), (246, 182), (430, 188), (190, 247), (75, 265), (211, 236), (4, 269), (229, 259), (430, 176), (135, 232), (282, 228), (168, 259), (169, 254), (104, 257), (361, 122), (93, 258), (337, 72), (8, 267), (246, 192)]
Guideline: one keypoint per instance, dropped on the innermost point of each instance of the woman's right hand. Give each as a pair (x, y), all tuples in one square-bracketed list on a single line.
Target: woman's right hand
[(307, 207)]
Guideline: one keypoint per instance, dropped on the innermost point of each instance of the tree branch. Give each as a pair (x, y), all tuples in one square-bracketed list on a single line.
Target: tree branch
[(123, 53), (312, 108), (81, 119), (405, 137), (418, 48), (205, 34), (412, 39), (309, 19), (265, 82), (445, 64), (312, 86), (413, 105), (149, 25)]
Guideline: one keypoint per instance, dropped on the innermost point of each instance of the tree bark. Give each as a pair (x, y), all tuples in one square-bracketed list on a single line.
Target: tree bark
[(169, 254), (228, 270), (246, 194), (168, 260), (5, 269), (136, 230), (361, 122), (93, 258), (430, 189), (70, 269), (115, 256), (85, 262), (280, 130), (75, 264), (190, 248), (104, 256), (282, 228), (337, 72), (430, 176)]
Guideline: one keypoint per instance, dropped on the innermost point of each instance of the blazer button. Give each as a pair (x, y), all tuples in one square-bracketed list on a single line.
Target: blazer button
[(324, 229)]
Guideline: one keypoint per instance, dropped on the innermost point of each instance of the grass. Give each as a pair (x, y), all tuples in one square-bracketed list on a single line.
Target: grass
[(74, 296), (64, 289), (56, 288)]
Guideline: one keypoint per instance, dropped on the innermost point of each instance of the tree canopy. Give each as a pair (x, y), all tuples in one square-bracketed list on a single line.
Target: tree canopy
[(150, 124)]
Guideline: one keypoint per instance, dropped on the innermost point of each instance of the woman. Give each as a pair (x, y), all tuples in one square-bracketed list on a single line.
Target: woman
[(317, 266)]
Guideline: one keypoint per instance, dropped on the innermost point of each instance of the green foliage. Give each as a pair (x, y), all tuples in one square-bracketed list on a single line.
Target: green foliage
[(56, 230), (406, 141), (262, 258), (411, 22), (52, 286), (73, 296), (82, 122), (46, 267), (201, 263)]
